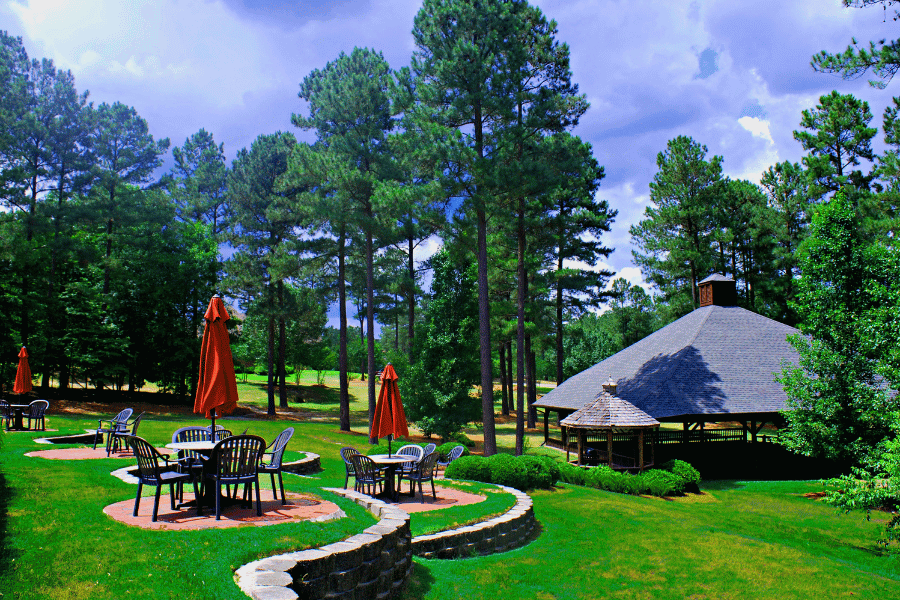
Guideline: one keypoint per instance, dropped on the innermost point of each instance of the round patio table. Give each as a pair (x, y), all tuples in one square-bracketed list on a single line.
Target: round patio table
[(204, 447), (390, 463)]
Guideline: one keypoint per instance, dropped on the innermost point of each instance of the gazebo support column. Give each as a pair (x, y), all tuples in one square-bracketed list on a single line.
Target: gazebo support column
[(580, 446), (546, 425), (609, 453), (641, 451), (565, 441)]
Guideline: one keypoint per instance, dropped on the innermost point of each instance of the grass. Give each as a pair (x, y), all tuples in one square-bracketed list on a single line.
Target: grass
[(739, 539)]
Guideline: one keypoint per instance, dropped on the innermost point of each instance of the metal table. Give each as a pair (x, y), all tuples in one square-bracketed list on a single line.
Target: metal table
[(19, 410), (391, 463)]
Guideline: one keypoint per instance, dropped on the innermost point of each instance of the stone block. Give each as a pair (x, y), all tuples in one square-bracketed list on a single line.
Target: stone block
[(276, 563), (342, 581), (273, 593), (312, 588)]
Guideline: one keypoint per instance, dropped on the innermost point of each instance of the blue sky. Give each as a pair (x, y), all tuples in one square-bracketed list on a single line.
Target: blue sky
[(732, 75)]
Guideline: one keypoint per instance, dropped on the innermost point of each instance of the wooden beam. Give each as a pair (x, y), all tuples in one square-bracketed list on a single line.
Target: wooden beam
[(546, 424), (641, 451), (580, 445), (565, 441), (609, 452)]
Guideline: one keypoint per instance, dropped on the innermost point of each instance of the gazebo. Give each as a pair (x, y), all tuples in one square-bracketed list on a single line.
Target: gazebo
[(608, 416)]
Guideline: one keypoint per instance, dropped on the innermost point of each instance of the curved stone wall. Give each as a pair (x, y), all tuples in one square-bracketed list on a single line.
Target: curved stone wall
[(510, 530)]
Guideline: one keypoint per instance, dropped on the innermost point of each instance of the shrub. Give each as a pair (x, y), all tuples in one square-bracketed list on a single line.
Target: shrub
[(460, 438), (572, 474), (472, 468), (686, 472), (635, 485), (552, 468), (663, 483), (537, 472), (507, 470)]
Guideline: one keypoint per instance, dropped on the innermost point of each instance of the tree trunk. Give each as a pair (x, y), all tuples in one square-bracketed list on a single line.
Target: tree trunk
[(412, 298), (270, 357), (532, 382), (282, 384), (520, 328), (342, 351), (559, 321), (509, 375), (370, 319), (504, 382)]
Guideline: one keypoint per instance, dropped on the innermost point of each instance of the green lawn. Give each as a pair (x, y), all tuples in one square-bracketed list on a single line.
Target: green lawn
[(736, 540)]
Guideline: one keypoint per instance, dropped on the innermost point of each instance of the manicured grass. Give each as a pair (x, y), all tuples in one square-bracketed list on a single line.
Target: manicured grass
[(737, 540), (496, 503)]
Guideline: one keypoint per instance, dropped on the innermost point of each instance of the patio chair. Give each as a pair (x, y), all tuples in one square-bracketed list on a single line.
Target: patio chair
[(127, 428), (346, 453), (276, 452), (424, 471), (222, 433), (367, 474), (36, 410), (235, 461), (6, 413), (455, 453), (190, 461), (112, 427), (429, 448), (411, 450), (156, 470)]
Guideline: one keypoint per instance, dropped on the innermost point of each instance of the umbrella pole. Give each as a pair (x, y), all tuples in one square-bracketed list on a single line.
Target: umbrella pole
[(212, 428), (390, 437)]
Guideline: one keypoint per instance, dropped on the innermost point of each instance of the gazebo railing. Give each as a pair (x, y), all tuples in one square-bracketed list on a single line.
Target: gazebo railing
[(665, 436)]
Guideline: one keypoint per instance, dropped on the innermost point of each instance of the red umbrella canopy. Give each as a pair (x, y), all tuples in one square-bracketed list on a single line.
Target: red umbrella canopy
[(217, 387), (23, 374), (389, 416)]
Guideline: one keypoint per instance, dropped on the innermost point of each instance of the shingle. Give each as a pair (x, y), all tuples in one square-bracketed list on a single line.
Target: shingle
[(608, 411), (715, 360)]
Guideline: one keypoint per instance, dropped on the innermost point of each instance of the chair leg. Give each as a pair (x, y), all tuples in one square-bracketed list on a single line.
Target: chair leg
[(421, 493), (433, 492), (137, 499), (258, 503), (281, 486), (346, 479), (172, 494), (96, 435), (218, 500), (156, 502), (274, 491), (198, 497)]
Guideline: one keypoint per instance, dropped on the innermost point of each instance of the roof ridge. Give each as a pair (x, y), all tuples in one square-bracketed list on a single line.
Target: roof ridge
[(700, 326)]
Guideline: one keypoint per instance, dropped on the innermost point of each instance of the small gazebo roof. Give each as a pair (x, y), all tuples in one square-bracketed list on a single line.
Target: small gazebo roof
[(607, 411)]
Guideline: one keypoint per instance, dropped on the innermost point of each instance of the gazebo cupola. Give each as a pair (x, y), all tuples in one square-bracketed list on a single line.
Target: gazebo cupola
[(717, 290)]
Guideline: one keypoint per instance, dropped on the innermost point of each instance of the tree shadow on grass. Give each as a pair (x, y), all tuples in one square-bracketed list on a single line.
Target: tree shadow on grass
[(419, 583), (299, 394), (7, 554)]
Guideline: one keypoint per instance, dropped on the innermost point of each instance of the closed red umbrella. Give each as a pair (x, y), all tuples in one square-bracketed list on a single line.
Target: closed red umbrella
[(23, 374), (217, 387), (390, 420)]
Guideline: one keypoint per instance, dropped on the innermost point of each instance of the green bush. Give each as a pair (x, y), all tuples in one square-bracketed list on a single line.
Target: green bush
[(537, 472), (663, 483), (507, 470), (460, 438), (552, 468), (686, 472), (635, 484), (570, 473), (472, 468)]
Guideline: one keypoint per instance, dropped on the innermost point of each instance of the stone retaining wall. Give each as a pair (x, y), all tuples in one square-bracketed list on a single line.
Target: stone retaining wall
[(309, 464), (371, 565), (376, 563), (510, 530)]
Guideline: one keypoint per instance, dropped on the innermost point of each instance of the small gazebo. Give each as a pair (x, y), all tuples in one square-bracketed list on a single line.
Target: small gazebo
[(608, 414)]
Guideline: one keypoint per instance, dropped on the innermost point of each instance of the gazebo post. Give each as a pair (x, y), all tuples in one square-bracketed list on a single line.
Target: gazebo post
[(641, 450), (546, 425), (609, 459), (653, 441), (580, 445), (565, 440)]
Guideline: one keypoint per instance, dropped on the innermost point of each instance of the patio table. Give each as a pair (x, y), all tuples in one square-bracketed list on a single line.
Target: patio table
[(205, 448), (391, 463), (19, 410)]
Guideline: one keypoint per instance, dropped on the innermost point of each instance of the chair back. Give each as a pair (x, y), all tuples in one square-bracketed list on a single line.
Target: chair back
[(120, 420), (347, 453), (412, 450), (425, 468), (221, 433), (37, 408), (364, 467), (456, 452), (147, 458), (4, 408), (278, 447), (430, 448), (190, 434), (135, 423), (236, 458)]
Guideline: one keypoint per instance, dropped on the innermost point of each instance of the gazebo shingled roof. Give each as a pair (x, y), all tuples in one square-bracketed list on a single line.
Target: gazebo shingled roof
[(609, 412)]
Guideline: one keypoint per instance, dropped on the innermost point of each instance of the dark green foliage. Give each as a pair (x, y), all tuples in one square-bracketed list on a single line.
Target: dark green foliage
[(507, 470), (569, 473), (471, 468), (663, 483), (847, 299), (436, 389), (685, 471), (588, 340), (552, 467), (538, 475)]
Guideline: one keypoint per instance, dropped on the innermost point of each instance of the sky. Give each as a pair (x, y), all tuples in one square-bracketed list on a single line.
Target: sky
[(732, 75)]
